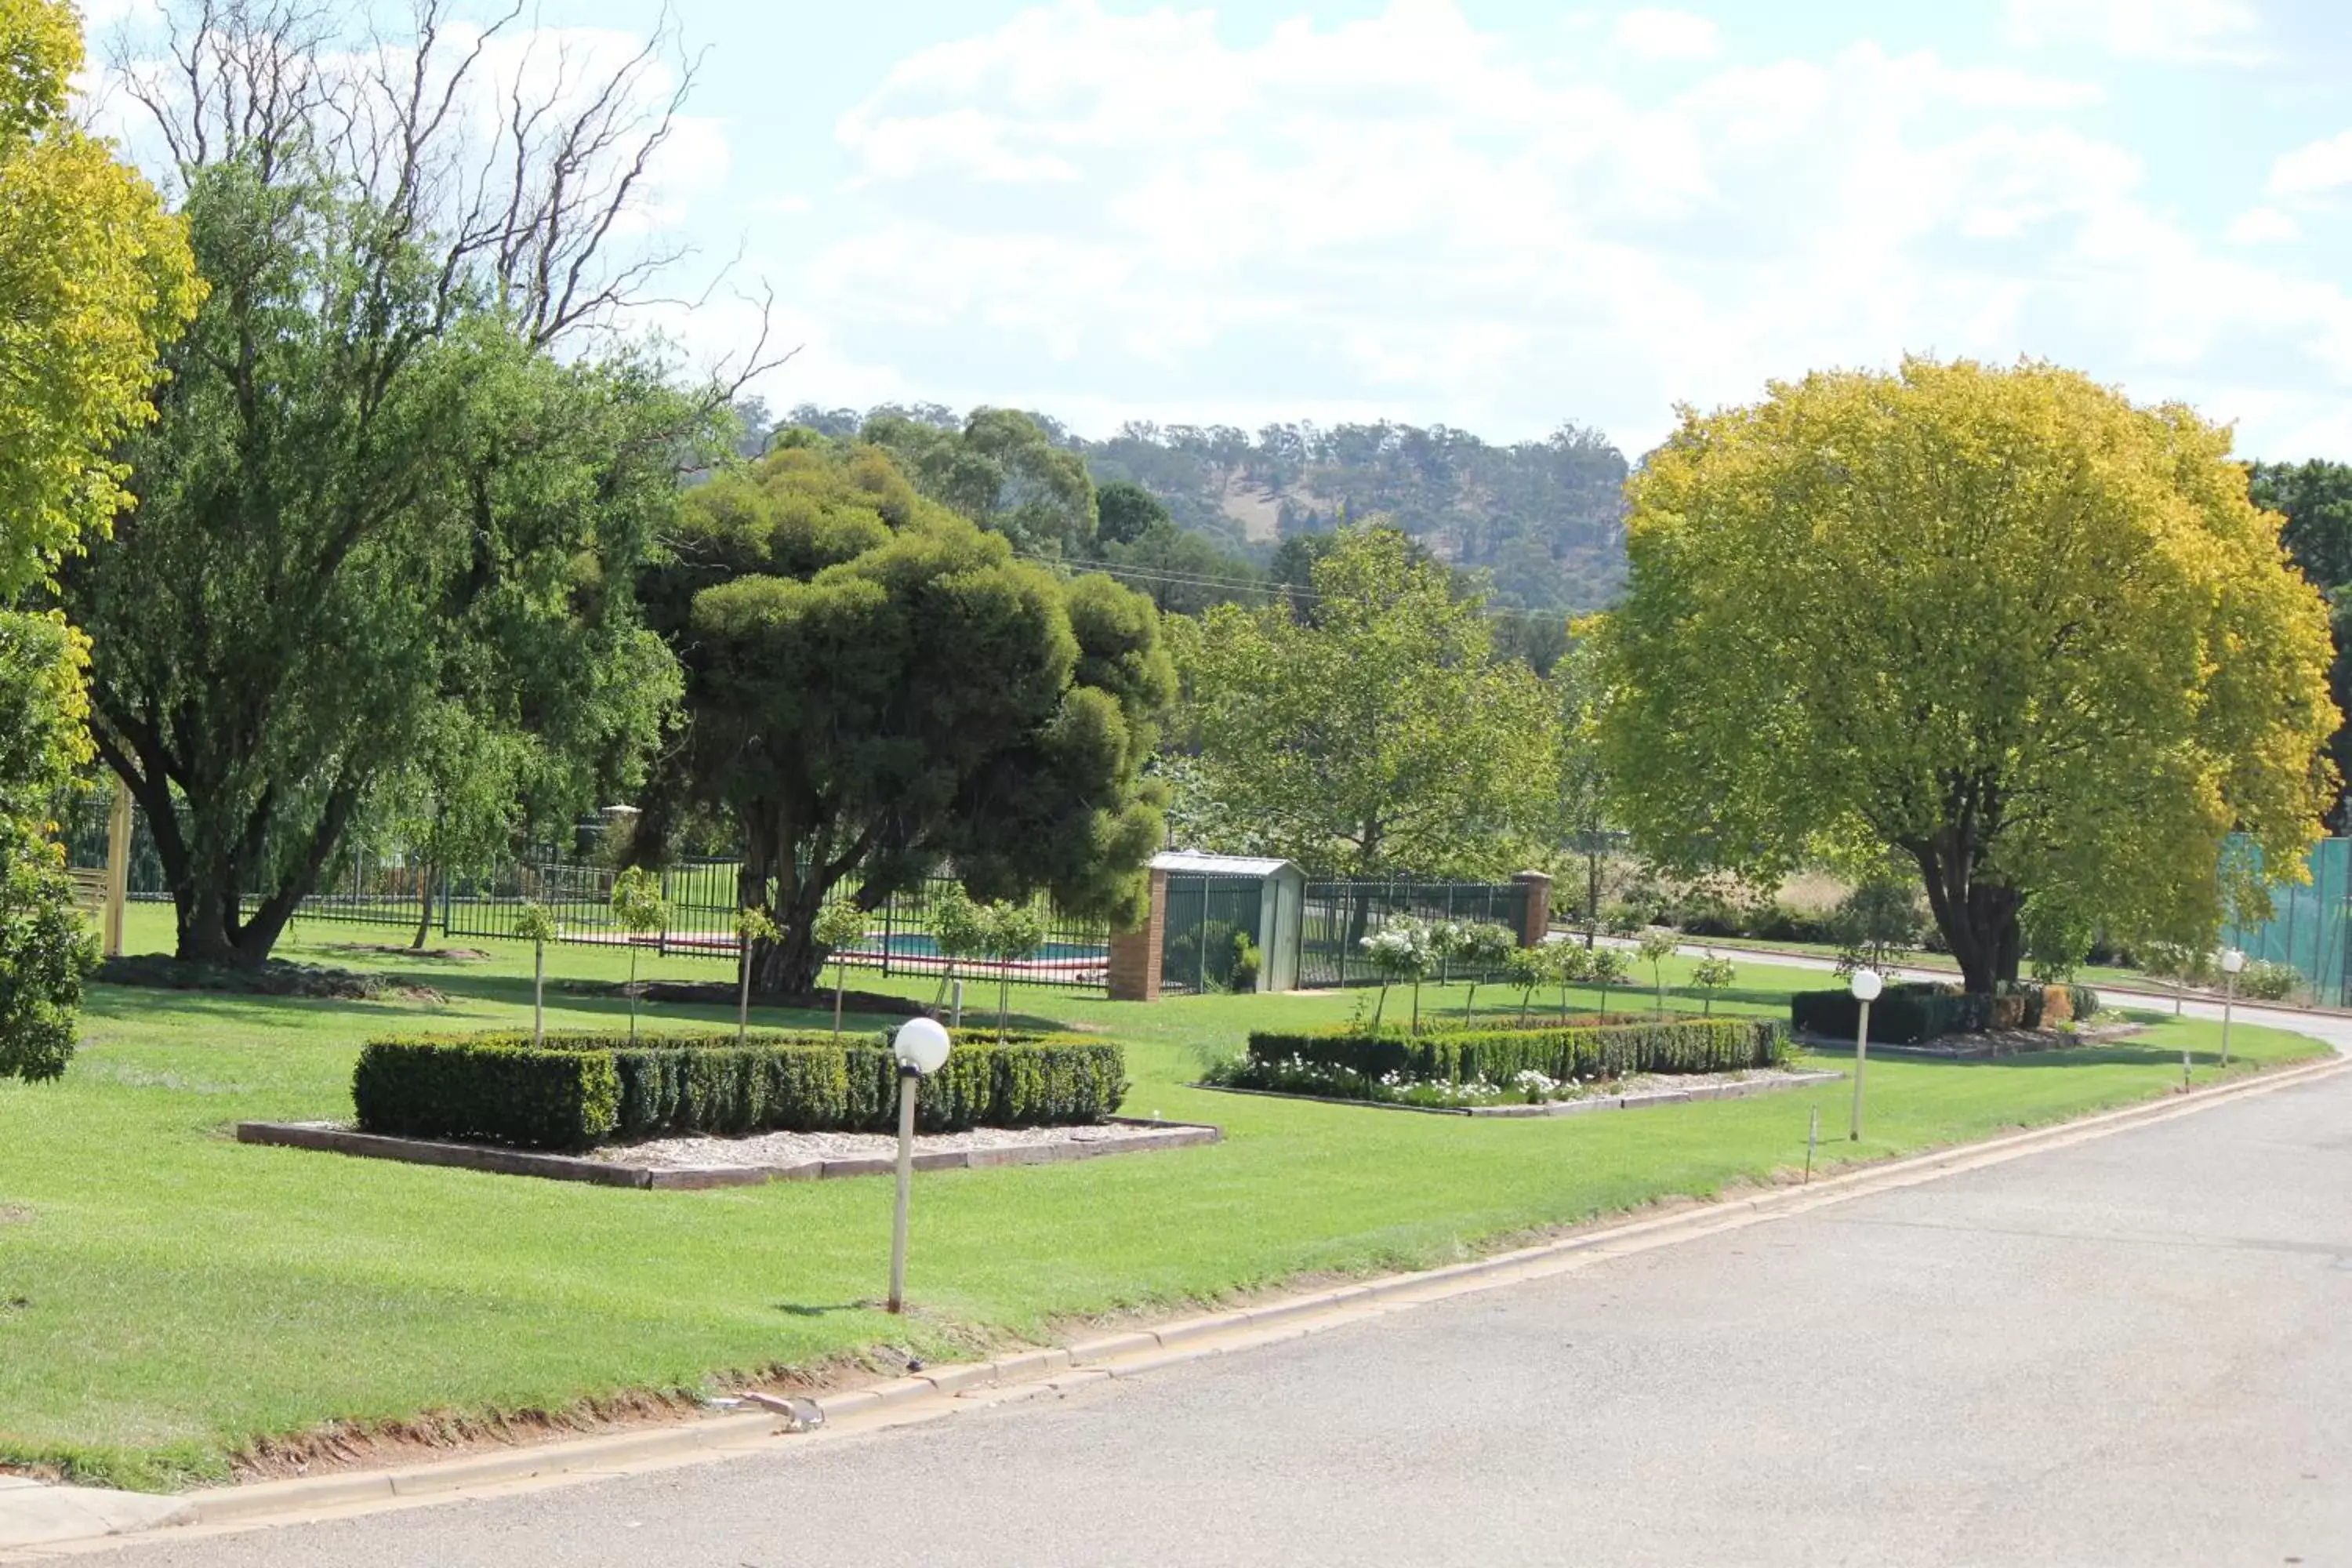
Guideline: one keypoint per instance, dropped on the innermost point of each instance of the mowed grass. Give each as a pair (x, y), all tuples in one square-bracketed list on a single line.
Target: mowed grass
[(167, 1295)]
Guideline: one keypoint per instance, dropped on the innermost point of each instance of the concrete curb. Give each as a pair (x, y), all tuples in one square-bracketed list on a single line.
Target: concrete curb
[(1060, 1370)]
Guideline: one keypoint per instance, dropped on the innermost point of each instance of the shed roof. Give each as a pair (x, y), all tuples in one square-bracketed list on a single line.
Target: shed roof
[(1219, 865)]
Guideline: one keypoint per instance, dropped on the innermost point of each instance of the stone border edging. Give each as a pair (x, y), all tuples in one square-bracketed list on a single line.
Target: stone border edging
[(1147, 1136), (1130, 1354), (1642, 1100)]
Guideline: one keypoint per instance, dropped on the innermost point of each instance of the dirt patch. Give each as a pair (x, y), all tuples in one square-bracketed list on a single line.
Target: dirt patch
[(447, 1434), (719, 993), (11, 1215), (429, 954), (278, 977)]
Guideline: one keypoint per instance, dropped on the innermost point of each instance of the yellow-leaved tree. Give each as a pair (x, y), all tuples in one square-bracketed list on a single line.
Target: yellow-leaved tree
[(93, 277), (2004, 622)]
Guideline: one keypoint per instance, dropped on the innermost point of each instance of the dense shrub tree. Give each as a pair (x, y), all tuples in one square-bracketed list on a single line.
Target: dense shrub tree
[(2004, 621), (388, 521), (2314, 499), (94, 277), (875, 686)]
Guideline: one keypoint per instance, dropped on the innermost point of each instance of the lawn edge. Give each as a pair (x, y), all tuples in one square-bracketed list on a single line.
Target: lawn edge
[(1055, 1370)]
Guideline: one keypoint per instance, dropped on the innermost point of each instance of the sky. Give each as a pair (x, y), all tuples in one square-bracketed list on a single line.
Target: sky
[(1502, 215)]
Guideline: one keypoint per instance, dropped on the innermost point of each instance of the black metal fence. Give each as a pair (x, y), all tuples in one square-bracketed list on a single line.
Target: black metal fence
[(1207, 917), (1338, 916), (366, 887)]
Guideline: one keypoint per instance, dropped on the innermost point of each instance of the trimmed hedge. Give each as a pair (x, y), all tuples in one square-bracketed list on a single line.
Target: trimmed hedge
[(1562, 1052), (577, 1089), (1914, 1012)]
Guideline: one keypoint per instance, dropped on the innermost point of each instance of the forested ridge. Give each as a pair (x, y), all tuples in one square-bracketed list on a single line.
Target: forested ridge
[(1543, 520)]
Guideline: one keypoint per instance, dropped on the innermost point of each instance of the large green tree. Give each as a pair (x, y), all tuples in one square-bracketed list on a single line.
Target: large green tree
[(1372, 728), (93, 277), (2031, 637), (2315, 500), (398, 468), (877, 688)]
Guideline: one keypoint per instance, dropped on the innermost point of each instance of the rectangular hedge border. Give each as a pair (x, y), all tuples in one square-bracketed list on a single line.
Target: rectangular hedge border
[(570, 1091), (1914, 1012), (1683, 1045)]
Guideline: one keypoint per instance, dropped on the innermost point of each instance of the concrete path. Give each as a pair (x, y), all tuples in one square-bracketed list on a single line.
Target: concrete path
[(2133, 1349)]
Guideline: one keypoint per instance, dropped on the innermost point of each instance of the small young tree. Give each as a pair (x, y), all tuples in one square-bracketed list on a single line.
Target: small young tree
[(1400, 950), (1481, 947), (638, 908), (1877, 923), (2178, 962), (534, 925), (1657, 944), (1529, 967), (959, 930), (1604, 967), (838, 925), (1568, 964), (1013, 934), (752, 927), (1712, 974)]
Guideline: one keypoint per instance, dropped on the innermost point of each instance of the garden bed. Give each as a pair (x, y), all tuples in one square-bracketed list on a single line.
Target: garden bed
[(1638, 1093), (697, 1162), (1990, 1042), (278, 977)]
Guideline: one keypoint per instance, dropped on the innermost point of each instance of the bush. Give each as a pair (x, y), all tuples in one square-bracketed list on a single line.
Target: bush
[(2267, 982), (498, 1088), (1588, 1049), (1246, 961), (1919, 1011), (577, 1088), (2087, 1002)]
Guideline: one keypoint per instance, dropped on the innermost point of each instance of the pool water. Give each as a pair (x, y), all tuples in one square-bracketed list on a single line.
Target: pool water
[(919, 945)]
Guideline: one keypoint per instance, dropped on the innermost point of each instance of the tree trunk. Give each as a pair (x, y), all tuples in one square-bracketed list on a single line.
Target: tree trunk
[(424, 908), (1978, 920)]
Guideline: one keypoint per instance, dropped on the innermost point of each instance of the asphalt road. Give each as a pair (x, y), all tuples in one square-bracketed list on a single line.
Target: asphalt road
[(2135, 1350)]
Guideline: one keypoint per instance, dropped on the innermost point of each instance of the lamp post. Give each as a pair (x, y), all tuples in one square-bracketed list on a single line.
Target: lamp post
[(1865, 985), (922, 1048), (2232, 960)]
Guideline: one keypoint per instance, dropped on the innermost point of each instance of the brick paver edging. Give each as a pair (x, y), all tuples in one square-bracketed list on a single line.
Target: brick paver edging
[(1135, 1138), (1130, 1353)]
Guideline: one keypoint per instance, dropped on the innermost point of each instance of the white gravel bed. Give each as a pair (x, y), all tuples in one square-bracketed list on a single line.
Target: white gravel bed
[(764, 1150)]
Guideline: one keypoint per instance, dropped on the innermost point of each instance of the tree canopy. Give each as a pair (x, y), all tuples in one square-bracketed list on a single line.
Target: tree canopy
[(1373, 731), (2030, 635), (2315, 500), (875, 685), (93, 277), (385, 534)]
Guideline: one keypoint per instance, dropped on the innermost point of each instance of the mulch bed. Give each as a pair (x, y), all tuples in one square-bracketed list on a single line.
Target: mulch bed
[(278, 977), (431, 954), (1993, 1042)]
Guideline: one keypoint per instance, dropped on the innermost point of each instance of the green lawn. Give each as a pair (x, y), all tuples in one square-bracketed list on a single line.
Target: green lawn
[(167, 1295)]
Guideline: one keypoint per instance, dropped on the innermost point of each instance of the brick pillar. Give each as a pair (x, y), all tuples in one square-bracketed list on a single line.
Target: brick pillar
[(1135, 954), (1535, 915)]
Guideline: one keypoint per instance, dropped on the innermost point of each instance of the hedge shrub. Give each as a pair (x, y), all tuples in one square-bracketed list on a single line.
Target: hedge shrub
[(1560, 1052), (573, 1089), (1916, 1010)]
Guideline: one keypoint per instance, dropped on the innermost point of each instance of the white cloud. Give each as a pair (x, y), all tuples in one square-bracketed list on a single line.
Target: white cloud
[(2262, 225), (1657, 35), (2314, 169), (2182, 30), (1112, 216)]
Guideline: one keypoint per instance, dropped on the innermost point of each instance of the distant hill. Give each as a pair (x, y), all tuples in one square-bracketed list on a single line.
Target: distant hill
[(1544, 520)]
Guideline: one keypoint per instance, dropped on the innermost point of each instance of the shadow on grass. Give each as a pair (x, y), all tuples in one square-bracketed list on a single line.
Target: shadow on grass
[(2117, 1055), (800, 1310)]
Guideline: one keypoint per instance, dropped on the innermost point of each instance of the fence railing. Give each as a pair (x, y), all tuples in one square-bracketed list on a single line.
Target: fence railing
[(1339, 915), (362, 887)]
